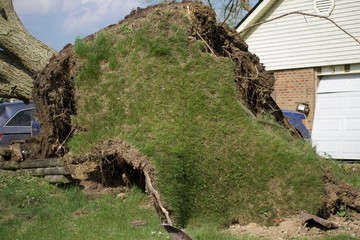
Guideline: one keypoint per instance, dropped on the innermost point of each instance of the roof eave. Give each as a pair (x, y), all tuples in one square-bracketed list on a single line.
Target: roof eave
[(256, 13)]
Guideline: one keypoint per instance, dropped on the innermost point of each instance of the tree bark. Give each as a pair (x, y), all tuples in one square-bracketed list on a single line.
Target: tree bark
[(21, 55)]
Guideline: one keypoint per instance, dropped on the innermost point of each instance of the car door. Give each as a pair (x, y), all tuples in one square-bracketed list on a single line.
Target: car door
[(18, 127)]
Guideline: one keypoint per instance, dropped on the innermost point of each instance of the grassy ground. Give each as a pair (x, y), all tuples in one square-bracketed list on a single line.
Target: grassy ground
[(33, 209), (346, 172), (151, 86)]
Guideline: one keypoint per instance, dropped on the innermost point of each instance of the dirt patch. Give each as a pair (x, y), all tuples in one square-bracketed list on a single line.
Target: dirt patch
[(290, 228), (339, 197), (341, 208)]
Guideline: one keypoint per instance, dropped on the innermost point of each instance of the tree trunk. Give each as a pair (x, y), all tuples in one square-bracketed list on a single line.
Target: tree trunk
[(21, 55), (39, 163)]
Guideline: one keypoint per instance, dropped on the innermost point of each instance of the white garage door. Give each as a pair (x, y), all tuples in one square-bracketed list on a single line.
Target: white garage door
[(336, 128)]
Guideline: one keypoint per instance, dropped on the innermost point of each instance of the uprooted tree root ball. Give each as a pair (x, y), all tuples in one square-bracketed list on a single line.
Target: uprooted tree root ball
[(54, 93), (116, 163)]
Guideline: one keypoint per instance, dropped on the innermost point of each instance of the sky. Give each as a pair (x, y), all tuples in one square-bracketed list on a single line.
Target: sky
[(59, 22)]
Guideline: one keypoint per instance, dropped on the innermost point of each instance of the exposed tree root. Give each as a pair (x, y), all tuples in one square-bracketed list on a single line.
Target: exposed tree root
[(254, 84), (339, 196), (119, 164), (54, 98)]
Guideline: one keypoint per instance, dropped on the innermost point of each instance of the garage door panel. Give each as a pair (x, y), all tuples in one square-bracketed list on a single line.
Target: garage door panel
[(352, 126), (331, 103), (328, 147), (354, 102), (351, 147), (329, 125), (349, 82), (336, 128)]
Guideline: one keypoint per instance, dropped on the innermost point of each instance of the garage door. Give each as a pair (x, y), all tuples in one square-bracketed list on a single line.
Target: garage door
[(336, 128)]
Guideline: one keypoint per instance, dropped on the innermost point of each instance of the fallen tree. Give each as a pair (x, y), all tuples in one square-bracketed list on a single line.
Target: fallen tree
[(21, 55), (223, 152), (86, 80), (54, 92)]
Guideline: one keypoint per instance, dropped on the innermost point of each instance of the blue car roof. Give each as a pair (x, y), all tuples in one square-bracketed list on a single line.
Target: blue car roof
[(8, 109), (295, 118), (293, 113)]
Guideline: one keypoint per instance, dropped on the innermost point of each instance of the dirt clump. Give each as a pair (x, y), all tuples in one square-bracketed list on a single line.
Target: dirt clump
[(54, 98), (340, 197), (254, 83)]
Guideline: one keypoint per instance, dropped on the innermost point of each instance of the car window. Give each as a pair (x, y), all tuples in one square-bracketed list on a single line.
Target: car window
[(22, 118)]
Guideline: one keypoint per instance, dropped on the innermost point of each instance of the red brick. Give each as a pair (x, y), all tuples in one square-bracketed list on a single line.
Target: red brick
[(294, 86)]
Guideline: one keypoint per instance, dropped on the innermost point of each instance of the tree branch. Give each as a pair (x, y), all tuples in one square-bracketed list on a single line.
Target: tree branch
[(304, 14), (30, 52), (209, 2), (246, 5), (14, 82), (229, 13), (21, 55), (8, 13), (9, 58)]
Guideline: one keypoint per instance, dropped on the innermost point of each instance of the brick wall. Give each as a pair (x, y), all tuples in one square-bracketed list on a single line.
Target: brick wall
[(295, 86)]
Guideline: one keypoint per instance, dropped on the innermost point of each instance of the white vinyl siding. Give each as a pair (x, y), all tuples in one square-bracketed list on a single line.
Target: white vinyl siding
[(298, 41)]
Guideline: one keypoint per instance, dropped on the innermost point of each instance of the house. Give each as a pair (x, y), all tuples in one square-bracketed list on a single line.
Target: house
[(313, 49)]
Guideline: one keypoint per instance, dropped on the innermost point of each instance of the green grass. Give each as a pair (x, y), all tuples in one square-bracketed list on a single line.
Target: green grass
[(161, 93), (340, 237), (333, 237), (32, 209), (346, 172)]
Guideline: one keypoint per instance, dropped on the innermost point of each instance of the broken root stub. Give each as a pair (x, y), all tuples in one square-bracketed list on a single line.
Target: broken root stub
[(175, 233), (310, 220)]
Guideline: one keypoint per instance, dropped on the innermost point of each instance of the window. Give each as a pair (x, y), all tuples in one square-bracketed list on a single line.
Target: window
[(22, 118), (324, 7)]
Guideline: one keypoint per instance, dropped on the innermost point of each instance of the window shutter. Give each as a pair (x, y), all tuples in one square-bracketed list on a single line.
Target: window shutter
[(324, 7)]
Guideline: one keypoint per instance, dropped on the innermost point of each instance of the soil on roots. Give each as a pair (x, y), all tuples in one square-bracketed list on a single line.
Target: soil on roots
[(115, 166), (53, 95)]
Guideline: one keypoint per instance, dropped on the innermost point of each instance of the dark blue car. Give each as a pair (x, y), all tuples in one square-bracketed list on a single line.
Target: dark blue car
[(299, 121), (16, 120)]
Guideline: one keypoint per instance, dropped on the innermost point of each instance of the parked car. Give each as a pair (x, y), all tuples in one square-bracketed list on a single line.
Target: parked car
[(16, 121), (299, 121)]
